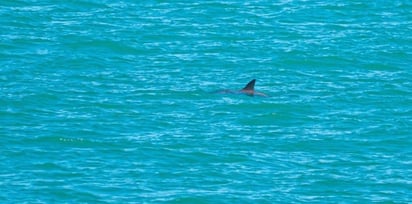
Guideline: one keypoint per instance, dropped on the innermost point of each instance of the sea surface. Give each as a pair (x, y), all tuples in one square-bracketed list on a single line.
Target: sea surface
[(115, 101)]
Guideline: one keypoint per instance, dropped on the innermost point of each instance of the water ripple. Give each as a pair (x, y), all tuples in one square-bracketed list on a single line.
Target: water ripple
[(113, 101)]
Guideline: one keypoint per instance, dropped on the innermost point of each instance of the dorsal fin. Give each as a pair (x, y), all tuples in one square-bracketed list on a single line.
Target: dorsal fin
[(250, 86)]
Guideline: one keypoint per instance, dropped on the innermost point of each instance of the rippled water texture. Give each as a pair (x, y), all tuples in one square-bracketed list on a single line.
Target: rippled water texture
[(115, 102)]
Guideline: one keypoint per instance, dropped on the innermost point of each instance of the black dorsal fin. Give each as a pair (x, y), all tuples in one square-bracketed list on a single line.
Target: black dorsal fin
[(250, 86)]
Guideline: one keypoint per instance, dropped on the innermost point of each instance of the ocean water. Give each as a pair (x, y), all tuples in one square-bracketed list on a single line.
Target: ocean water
[(114, 101)]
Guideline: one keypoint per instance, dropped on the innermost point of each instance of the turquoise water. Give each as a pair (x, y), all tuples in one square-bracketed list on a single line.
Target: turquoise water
[(112, 102)]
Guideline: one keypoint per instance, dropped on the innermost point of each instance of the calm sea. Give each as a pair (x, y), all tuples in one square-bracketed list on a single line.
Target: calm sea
[(114, 101)]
